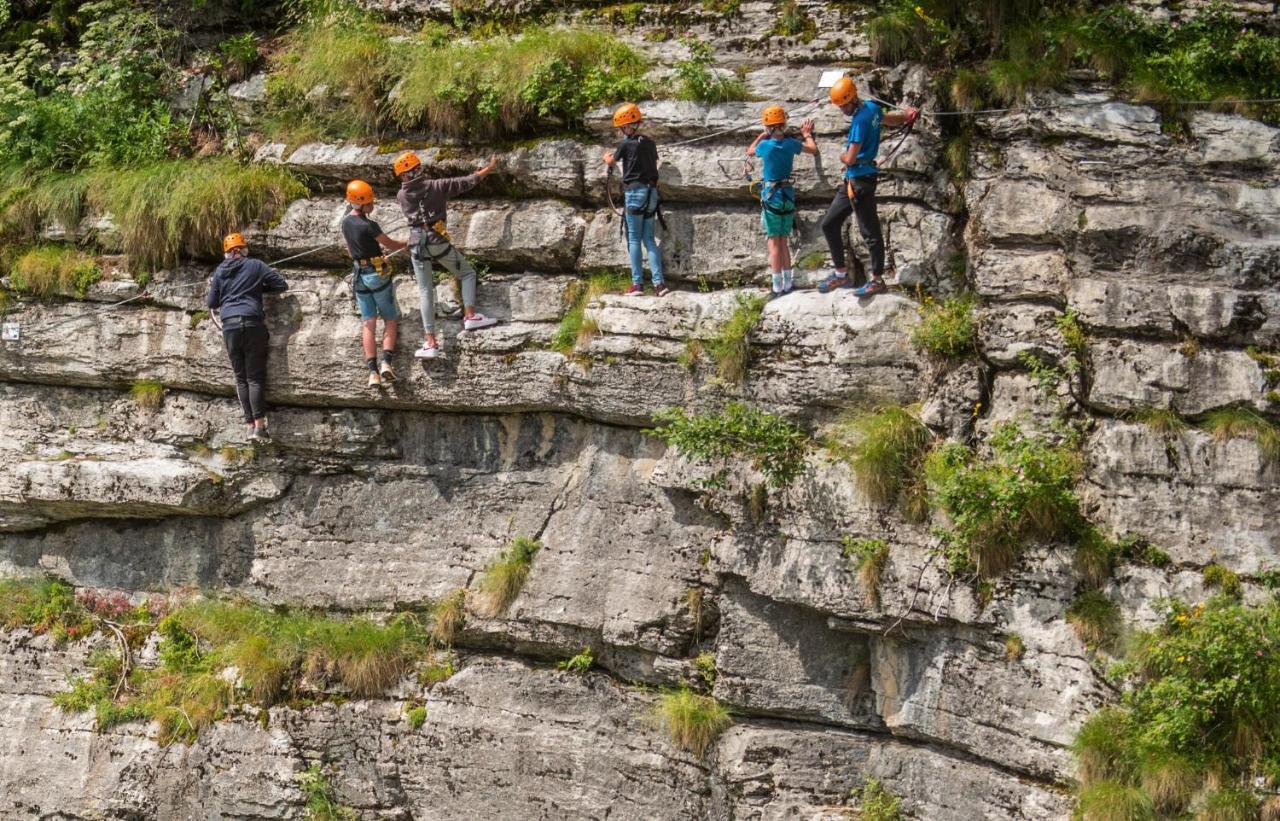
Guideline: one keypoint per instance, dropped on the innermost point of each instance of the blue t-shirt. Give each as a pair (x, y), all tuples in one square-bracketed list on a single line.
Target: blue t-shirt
[(865, 131), (777, 156)]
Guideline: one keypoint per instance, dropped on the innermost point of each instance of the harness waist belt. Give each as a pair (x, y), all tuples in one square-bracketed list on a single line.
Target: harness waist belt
[(233, 322)]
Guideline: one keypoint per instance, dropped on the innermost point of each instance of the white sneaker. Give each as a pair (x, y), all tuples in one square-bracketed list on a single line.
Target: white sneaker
[(374, 380), (427, 351), (776, 283), (788, 282), (477, 321)]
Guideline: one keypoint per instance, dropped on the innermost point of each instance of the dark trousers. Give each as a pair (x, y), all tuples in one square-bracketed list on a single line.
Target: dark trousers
[(864, 208), (246, 341)]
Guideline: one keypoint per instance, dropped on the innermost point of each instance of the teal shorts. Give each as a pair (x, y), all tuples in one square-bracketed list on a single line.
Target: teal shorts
[(779, 197), (374, 303), (777, 225)]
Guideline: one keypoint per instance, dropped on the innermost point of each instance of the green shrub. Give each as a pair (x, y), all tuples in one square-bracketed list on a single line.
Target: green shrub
[(504, 577), (867, 557), (578, 664), (506, 85), (875, 803), (885, 448), (699, 81), (1095, 619), (691, 720), (947, 328), (575, 329), (54, 269), (1244, 423), (44, 605), (705, 664), (416, 716), (147, 393), (1225, 580), (1200, 709), (730, 348), (794, 22), (774, 446), (1022, 492), (321, 805)]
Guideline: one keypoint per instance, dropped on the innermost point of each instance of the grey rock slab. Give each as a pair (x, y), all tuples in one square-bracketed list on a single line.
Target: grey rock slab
[(1129, 374), (1008, 331), (1228, 139), (1000, 273), (1218, 314)]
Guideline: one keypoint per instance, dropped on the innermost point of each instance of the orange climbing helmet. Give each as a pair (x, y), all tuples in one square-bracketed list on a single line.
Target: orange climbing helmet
[(232, 241), (359, 192), (774, 115), (406, 162), (626, 114), (844, 91)]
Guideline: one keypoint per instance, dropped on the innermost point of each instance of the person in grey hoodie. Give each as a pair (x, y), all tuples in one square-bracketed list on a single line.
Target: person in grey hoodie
[(425, 202), (235, 293)]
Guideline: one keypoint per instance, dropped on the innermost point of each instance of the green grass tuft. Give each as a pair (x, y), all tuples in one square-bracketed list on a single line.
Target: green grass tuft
[(415, 717), (947, 329), (504, 577), (1095, 619), (730, 348), (147, 393), (1164, 421), (575, 330), (774, 445), (54, 269), (794, 22), (885, 448), (1113, 801), (1244, 423), (1225, 580), (867, 557), (449, 616), (1014, 648), (579, 664), (1095, 557), (692, 721)]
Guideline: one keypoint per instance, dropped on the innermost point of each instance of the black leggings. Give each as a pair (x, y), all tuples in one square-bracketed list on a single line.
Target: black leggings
[(247, 349), (864, 208)]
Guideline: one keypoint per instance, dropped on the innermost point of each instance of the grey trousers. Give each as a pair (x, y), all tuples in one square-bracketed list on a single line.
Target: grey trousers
[(449, 258)]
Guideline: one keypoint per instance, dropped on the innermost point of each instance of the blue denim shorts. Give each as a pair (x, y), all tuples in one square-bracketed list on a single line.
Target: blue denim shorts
[(379, 303)]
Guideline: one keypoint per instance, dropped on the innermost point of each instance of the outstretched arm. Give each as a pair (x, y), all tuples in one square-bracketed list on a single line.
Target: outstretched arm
[(810, 145), (906, 116), (751, 149)]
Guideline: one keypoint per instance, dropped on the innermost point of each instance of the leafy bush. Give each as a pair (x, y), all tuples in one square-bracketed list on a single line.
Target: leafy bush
[(504, 577), (1023, 491), (45, 605), (947, 328), (867, 557), (691, 720), (885, 448), (54, 269), (578, 664), (775, 446), (705, 664), (505, 85), (730, 348), (700, 81), (321, 805), (1200, 712), (876, 803)]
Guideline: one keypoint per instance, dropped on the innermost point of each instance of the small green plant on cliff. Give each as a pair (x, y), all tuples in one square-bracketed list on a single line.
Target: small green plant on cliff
[(1022, 491), (705, 664), (147, 393), (867, 557), (1223, 579), (876, 803), (692, 721), (700, 81), (321, 805), (579, 664), (1095, 619), (1164, 421), (54, 269), (415, 716), (504, 577), (794, 22), (1244, 423), (1095, 557), (730, 348), (449, 616), (1014, 647), (947, 328), (575, 329), (885, 447), (775, 446), (1199, 719), (44, 605)]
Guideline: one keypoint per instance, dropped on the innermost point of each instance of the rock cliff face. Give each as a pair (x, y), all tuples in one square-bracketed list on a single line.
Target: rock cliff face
[(1166, 251)]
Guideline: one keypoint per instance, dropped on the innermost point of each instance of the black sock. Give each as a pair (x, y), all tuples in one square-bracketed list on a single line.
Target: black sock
[(386, 356), (372, 364)]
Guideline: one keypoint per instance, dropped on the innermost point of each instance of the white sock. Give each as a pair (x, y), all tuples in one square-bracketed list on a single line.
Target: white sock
[(786, 279), (776, 284)]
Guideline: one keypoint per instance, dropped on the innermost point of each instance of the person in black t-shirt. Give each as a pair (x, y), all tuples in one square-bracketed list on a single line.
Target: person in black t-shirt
[(639, 157), (371, 280)]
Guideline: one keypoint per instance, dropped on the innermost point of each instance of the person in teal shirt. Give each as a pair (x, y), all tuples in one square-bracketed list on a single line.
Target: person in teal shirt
[(857, 192), (777, 152)]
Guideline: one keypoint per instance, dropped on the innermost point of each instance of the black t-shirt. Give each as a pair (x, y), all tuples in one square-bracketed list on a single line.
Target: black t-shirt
[(639, 158), (361, 234)]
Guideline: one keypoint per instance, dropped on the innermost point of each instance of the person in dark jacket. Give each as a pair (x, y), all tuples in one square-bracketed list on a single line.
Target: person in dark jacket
[(424, 202), (639, 158), (235, 293)]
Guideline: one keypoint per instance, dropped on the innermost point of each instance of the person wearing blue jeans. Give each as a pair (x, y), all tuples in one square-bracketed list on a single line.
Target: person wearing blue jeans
[(639, 158)]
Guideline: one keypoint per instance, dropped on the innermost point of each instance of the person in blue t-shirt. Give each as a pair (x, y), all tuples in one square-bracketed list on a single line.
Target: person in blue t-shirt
[(857, 192), (777, 195)]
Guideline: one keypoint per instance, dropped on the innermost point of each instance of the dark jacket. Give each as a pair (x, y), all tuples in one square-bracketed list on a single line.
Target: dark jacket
[(237, 286), (425, 201)]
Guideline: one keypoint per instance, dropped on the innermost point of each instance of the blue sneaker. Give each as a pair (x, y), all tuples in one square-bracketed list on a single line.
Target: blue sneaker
[(832, 282), (875, 286)]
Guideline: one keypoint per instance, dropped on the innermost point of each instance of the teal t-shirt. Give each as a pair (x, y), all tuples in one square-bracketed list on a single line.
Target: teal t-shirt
[(865, 131), (778, 156)]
